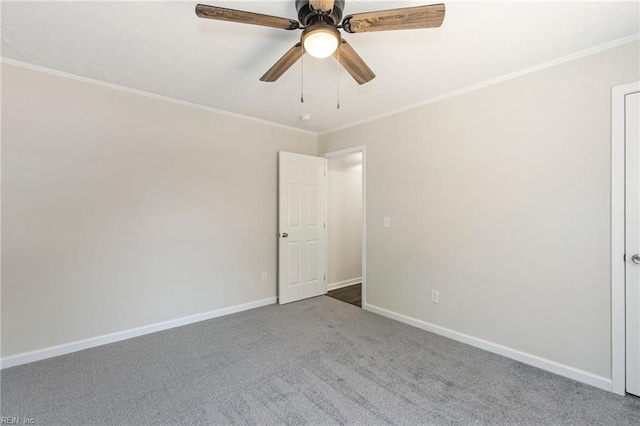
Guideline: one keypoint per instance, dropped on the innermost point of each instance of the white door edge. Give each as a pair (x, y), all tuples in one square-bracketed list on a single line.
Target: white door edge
[(340, 153), (618, 318)]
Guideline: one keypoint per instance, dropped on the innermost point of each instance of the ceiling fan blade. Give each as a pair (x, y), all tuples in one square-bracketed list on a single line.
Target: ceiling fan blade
[(284, 63), (353, 63), (407, 18), (232, 15)]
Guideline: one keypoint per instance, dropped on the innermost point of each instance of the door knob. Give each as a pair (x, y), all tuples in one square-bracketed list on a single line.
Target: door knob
[(285, 235), (636, 259)]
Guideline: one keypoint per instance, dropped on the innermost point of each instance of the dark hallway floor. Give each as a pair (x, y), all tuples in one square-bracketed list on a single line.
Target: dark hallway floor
[(351, 294)]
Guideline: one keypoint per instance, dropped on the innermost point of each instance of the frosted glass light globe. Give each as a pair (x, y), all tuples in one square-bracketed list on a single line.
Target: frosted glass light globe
[(320, 43)]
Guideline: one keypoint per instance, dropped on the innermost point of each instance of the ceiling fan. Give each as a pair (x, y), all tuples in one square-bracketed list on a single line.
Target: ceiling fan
[(320, 22)]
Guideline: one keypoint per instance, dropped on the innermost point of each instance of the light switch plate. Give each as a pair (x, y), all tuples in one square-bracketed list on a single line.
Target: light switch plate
[(386, 222)]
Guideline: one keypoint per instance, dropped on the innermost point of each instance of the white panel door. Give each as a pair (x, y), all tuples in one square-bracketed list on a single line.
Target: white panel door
[(632, 241), (302, 227)]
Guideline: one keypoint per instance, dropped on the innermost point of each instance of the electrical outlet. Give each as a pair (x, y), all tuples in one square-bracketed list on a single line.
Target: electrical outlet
[(435, 296), (264, 277)]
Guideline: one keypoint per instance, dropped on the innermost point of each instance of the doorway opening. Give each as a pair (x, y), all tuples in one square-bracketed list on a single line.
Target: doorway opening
[(346, 225)]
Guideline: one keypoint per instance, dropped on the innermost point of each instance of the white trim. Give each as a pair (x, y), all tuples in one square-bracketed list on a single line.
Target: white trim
[(345, 283), (147, 94), (92, 342), (364, 228), (481, 85), (347, 151), (536, 361), (618, 315)]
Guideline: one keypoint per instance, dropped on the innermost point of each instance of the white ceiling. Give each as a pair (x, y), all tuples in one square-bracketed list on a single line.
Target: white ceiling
[(163, 48)]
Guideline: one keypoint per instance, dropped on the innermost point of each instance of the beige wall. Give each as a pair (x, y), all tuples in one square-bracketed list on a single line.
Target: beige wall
[(120, 211), (499, 198), (344, 216)]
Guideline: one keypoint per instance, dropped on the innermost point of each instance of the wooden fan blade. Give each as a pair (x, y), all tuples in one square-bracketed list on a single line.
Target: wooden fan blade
[(407, 18), (353, 63), (283, 63), (232, 15)]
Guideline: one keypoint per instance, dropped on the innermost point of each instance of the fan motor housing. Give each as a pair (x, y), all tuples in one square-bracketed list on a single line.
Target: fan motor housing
[(308, 16)]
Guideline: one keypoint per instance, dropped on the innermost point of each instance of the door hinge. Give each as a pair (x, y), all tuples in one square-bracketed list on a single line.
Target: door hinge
[(325, 278), (324, 225), (624, 257)]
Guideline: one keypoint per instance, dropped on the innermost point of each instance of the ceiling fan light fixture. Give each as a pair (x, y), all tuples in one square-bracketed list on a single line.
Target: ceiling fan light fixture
[(321, 40)]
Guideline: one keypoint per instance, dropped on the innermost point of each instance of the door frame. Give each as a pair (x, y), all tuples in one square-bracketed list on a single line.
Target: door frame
[(618, 312), (340, 153)]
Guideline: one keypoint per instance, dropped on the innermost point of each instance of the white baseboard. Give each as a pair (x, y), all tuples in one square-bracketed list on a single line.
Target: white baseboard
[(40, 354), (345, 283), (536, 361)]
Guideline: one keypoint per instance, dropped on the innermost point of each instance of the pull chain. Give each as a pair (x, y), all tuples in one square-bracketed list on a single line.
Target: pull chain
[(302, 76), (338, 79)]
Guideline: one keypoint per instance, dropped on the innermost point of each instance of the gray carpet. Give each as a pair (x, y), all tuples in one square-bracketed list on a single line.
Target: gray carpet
[(318, 361)]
